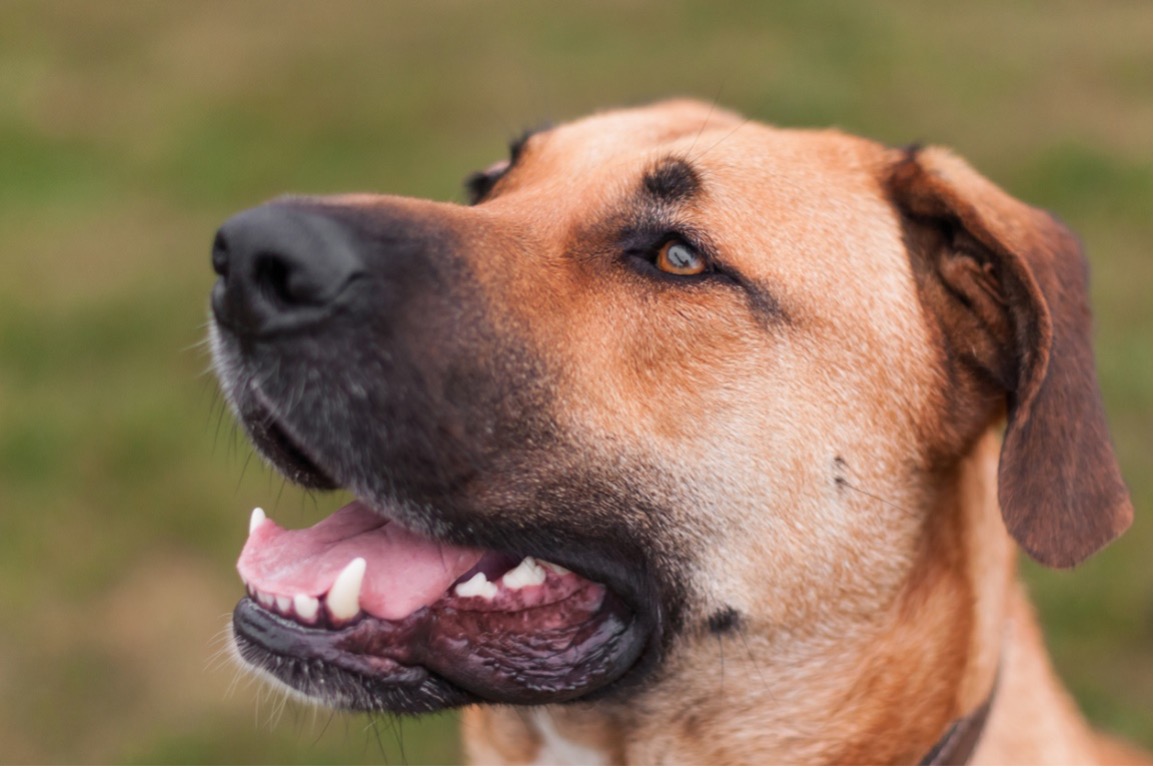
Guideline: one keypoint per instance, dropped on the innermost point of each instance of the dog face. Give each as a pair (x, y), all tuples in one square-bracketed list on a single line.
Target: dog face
[(711, 376)]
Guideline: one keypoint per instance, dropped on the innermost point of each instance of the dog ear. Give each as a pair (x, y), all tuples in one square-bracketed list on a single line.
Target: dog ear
[(1008, 285)]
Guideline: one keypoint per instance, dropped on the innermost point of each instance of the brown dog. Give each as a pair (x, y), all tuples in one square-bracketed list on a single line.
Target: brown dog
[(681, 445)]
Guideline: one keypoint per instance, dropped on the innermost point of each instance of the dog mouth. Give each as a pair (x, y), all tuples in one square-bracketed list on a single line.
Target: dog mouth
[(360, 593), (364, 613)]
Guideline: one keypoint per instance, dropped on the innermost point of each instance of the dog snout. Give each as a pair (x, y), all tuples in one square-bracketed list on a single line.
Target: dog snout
[(282, 268)]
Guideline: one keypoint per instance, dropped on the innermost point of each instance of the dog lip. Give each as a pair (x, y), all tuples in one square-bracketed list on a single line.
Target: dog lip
[(308, 662), (454, 645), (581, 646), (275, 439)]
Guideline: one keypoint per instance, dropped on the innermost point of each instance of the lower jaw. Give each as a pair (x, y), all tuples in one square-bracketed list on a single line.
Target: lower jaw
[(437, 659), (308, 662)]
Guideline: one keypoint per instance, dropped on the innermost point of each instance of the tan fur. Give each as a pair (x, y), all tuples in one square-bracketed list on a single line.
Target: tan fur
[(874, 611)]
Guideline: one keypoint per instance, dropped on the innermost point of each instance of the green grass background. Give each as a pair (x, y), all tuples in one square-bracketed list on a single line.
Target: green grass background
[(129, 130)]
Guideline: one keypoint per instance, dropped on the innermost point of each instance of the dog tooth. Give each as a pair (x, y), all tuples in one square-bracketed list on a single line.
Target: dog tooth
[(528, 573), (306, 607), (256, 520), (556, 569), (478, 585), (283, 604), (265, 599), (344, 599)]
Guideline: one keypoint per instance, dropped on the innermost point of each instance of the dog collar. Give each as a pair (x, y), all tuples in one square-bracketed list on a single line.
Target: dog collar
[(958, 744)]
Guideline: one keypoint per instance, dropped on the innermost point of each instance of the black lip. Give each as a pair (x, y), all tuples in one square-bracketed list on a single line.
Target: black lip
[(305, 660), (277, 444), (585, 645)]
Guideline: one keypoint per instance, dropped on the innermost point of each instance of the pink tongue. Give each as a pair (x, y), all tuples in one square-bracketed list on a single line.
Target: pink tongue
[(405, 571)]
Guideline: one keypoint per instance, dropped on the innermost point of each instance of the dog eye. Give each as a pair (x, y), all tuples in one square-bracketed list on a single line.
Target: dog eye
[(679, 259)]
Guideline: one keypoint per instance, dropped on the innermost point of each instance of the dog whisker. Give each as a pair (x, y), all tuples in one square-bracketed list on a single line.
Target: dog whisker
[(706, 120), (709, 149), (847, 485), (325, 727), (244, 468), (721, 662), (281, 491), (279, 709), (222, 655), (200, 346), (396, 726), (753, 660), (220, 408)]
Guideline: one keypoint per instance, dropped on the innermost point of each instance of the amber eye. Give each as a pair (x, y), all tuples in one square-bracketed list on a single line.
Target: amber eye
[(678, 258)]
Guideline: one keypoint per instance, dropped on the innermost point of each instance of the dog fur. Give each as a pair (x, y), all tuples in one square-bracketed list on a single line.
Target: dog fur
[(840, 434)]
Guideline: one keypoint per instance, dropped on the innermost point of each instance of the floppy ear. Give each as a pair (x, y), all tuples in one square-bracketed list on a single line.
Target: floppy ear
[(1008, 285)]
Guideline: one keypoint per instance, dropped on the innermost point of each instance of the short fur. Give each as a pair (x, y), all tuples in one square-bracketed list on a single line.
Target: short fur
[(794, 457), (849, 622)]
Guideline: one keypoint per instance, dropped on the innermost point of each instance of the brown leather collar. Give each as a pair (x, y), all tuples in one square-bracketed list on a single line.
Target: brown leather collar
[(958, 744)]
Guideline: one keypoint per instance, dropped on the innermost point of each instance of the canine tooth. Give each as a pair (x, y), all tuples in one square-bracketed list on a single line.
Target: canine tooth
[(344, 599), (283, 604), (306, 607), (256, 520), (556, 569), (478, 585), (528, 573)]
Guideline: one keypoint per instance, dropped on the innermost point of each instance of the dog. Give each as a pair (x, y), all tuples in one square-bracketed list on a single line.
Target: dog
[(689, 440)]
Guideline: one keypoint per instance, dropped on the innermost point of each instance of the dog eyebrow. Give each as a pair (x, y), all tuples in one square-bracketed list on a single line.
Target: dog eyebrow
[(671, 180)]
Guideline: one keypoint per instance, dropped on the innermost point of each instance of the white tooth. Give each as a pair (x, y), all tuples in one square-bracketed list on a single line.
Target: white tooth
[(344, 600), (556, 569), (265, 599), (528, 573), (306, 607), (256, 520), (478, 585), (283, 604)]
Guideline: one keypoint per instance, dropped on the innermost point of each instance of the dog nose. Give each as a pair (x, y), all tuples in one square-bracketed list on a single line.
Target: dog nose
[(282, 267)]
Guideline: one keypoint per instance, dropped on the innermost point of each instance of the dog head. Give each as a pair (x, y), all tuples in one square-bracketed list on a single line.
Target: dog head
[(707, 374)]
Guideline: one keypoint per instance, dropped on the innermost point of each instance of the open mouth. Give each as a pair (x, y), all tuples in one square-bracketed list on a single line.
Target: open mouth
[(363, 613), (359, 592)]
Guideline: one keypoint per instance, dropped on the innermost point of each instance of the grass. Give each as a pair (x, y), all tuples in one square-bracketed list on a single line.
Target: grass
[(128, 131)]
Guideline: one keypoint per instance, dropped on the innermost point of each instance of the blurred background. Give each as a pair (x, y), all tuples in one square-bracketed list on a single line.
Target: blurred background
[(129, 131)]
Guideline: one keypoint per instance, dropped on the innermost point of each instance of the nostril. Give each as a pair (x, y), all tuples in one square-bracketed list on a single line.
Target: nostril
[(287, 283), (220, 255), (271, 276), (282, 268)]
